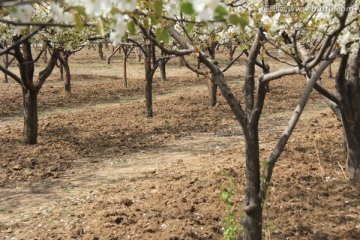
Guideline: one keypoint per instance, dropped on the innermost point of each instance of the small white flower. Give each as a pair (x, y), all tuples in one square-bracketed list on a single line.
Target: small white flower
[(23, 13), (117, 28), (266, 20), (127, 5), (205, 8)]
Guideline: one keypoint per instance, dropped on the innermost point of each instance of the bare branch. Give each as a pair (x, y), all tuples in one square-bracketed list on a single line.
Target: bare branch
[(250, 72), (232, 62), (270, 162), (11, 74), (198, 71), (44, 74), (281, 73), (279, 60)]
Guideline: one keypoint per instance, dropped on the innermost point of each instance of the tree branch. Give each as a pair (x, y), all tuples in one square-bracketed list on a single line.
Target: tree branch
[(198, 71), (11, 74), (44, 74), (250, 72), (281, 73), (232, 62), (274, 156)]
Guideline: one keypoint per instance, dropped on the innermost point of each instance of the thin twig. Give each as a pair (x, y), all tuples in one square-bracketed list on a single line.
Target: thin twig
[(342, 170)]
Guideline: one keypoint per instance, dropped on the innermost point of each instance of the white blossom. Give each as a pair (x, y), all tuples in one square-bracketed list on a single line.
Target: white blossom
[(117, 28), (205, 8), (127, 5), (59, 15), (23, 13)]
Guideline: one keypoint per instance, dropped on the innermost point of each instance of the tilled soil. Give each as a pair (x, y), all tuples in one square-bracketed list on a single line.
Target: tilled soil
[(102, 170)]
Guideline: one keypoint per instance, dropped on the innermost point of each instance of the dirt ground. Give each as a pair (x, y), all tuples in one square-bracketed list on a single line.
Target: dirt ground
[(101, 170)]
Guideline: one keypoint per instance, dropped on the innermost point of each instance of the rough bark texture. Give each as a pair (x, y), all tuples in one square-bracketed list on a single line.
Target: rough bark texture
[(252, 221), (348, 87), (30, 131)]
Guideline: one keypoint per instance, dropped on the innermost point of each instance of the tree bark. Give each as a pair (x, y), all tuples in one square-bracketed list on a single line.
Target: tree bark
[(212, 91), (352, 137), (6, 64), (349, 90), (162, 66), (125, 56), (61, 71), (148, 79), (30, 131), (66, 67), (100, 51), (45, 57), (252, 220), (232, 50)]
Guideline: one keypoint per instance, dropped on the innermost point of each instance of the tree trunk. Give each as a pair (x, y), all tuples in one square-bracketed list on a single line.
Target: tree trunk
[(181, 62), (148, 79), (30, 132), (6, 63), (61, 70), (162, 67), (67, 75), (231, 55), (349, 89), (232, 51), (330, 72), (352, 141), (125, 68), (252, 220), (100, 50), (139, 54), (45, 57), (212, 92), (148, 92), (198, 67)]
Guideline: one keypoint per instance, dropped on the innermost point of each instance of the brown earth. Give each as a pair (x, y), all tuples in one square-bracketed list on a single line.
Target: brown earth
[(102, 170)]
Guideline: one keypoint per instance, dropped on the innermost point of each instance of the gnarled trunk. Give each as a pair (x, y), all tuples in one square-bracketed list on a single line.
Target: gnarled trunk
[(349, 89), (30, 132), (352, 141)]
